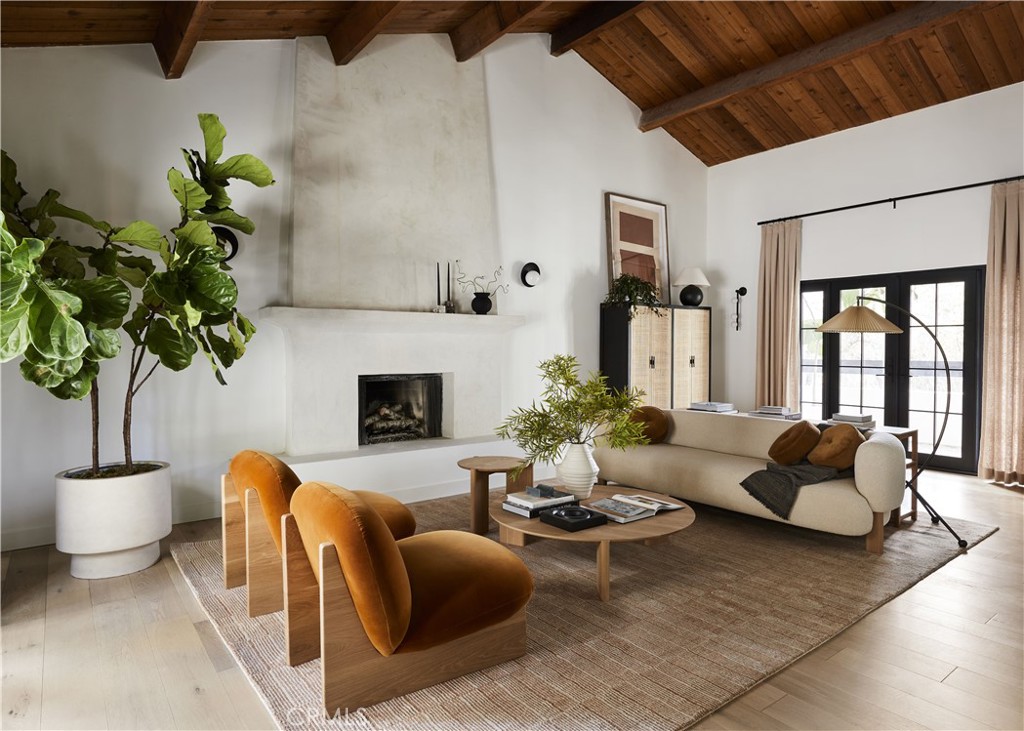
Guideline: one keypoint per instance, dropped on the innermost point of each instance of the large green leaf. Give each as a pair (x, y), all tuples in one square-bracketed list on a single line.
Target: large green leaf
[(14, 336), (142, 263), (211, 290), (25, 255), (223, 349), (104, 261), (40, 374), (243, 167), (189, 193), (174, 350), (137, 323), (197, 232), (105, 300), (140, 233), (42, 208), (62, 211), (54, 331), (168, 287), (79, 385), (104, 343), (12, 285), (213, 135), (11, 191), (230, 219), (61, 260)]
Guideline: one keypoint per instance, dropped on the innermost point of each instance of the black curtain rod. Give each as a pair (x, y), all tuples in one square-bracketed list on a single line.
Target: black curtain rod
[(892, 200)]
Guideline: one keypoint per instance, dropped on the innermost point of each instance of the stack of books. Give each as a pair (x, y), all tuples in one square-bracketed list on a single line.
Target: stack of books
[(718, 407), (533, 500), (776, 412), (861, 421)]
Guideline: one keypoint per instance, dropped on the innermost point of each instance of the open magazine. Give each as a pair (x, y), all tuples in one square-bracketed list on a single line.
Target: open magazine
[(627, 508)]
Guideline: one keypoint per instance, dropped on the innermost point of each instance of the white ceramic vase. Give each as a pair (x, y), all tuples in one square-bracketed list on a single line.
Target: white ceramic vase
[(112, 526), (577, 471)]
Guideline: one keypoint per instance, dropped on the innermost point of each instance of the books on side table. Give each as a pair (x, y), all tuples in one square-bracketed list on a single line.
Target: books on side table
[(861, 421), (718, 407), (533, 500), (627, 508), (776, 412)]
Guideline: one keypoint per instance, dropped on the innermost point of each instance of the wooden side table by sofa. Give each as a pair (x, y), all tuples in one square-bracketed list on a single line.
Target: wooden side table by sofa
[(480, 470)]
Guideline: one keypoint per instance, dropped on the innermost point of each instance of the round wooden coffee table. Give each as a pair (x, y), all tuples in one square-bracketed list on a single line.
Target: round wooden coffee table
[(513, 529)]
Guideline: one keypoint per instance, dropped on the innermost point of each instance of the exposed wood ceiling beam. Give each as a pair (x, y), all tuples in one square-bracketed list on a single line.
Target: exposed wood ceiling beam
[(489, 24), (918, 18), (589, 23), (181, 25), (360, 26)]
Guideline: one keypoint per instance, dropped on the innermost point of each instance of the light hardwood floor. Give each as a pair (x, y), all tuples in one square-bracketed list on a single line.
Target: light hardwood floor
[(138, 652)]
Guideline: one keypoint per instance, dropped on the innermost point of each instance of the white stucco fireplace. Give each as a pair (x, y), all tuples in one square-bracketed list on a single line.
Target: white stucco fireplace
[(326, 350)]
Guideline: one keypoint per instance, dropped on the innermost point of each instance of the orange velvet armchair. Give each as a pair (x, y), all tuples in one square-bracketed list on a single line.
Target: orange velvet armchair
[(255, 493), (388, 616)]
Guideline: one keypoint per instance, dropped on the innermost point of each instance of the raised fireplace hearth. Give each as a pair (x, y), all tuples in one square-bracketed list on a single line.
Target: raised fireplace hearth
[(399, 407)]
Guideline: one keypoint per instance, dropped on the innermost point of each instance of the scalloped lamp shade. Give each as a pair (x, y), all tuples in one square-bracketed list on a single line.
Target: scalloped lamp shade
[(859, 319)]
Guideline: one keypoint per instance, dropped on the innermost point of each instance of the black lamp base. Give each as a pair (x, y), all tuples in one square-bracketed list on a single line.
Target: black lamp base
[(691, 295)]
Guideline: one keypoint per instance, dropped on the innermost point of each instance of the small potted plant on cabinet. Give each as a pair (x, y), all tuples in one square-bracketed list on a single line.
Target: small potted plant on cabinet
[(65, 305), (572, 413), (629, 290)]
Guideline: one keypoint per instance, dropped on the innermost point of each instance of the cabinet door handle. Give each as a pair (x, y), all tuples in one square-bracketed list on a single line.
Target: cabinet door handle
[(693, 361), (652, 361)]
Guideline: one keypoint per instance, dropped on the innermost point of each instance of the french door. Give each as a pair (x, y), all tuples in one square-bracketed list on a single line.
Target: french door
[(900, 379)]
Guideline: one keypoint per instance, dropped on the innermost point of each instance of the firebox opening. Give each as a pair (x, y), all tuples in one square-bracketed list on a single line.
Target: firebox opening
[(399, 407)]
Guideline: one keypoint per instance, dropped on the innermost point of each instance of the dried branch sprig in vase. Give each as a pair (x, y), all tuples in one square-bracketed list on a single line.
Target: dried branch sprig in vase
[(476, 284)]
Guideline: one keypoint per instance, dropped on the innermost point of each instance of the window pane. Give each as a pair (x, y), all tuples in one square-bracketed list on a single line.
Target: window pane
[(811, 352), (924, 422), (812, 306), (950, 304), (873, 390), (922, 390), (922, 349), (952, 339), (922, 303)]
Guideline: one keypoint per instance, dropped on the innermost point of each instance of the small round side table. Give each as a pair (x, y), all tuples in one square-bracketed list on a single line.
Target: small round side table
[(480, 470)]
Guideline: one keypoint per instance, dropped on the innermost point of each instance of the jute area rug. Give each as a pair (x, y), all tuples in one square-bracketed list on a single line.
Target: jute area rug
[(692, 623)]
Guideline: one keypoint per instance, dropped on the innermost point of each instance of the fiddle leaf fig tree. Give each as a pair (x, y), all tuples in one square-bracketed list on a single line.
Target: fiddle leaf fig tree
[(64, 304)]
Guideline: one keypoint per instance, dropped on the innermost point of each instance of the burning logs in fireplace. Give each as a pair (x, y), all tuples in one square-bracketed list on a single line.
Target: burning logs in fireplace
[(389, 423)]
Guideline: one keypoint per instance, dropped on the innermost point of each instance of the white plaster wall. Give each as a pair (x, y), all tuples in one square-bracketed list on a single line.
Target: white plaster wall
[(563, 136), (103, 126), (970, 140), (392, 174)]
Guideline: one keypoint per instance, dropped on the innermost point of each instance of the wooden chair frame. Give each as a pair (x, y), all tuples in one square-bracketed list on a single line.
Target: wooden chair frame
[(354, 673), (249, 552)]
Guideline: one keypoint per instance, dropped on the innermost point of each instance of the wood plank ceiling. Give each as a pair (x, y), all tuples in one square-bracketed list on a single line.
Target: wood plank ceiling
[(726, 79)]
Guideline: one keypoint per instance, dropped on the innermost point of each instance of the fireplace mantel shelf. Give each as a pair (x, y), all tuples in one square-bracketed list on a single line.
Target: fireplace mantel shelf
[(388, 320)]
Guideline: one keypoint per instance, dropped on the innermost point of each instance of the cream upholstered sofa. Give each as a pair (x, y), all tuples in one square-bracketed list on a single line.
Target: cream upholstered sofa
[(705, 456)]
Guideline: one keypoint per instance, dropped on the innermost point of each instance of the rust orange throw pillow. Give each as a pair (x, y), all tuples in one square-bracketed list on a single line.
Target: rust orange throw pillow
[(837, 447), (655, 422), (795, 443)]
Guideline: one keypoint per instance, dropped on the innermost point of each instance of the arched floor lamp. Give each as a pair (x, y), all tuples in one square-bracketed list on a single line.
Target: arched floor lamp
[(860, 319)]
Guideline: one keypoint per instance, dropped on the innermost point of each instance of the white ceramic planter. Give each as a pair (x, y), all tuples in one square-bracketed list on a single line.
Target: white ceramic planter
[(112, 526), (577, 471)]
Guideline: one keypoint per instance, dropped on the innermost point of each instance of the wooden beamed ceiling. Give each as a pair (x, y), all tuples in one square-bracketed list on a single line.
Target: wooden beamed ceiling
[(726, 79)]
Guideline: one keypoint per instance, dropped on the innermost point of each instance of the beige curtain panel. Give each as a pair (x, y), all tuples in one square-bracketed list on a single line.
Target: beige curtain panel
[(1002, 387), (778, 316)]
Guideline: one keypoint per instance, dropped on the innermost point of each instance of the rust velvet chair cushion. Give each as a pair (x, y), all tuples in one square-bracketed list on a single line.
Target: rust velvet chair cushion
[(655, 422), (274, 482), (461, 583), (795, 443), (837, 447), (398, 517), (369, 557)]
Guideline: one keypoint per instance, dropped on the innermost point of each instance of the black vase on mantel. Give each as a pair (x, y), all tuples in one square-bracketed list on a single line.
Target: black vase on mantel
[(481, 303)]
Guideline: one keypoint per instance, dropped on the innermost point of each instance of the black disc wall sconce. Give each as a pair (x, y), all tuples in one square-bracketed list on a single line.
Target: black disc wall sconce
[(530, 274)]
